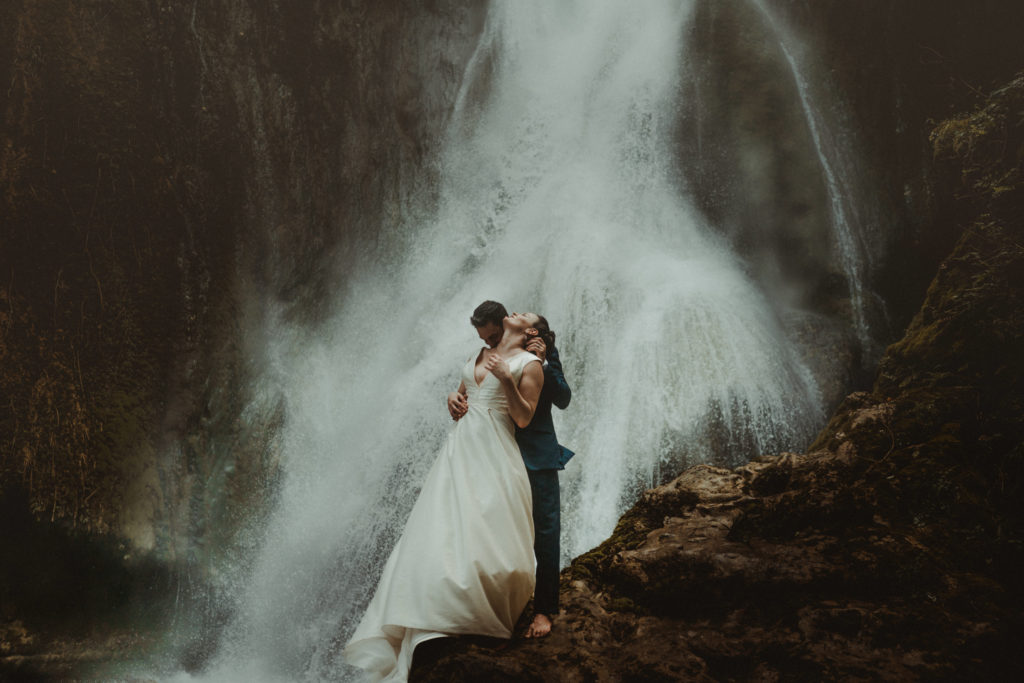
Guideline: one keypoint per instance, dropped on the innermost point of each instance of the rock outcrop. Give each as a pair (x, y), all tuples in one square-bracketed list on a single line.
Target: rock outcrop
[(890, 550)]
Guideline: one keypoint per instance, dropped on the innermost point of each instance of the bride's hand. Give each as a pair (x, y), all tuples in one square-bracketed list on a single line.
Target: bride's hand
[(497, 366), (537, 347)]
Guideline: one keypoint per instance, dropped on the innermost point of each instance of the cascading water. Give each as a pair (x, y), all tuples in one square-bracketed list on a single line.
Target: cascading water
[(846, 224), (560, 194), (567, 162)]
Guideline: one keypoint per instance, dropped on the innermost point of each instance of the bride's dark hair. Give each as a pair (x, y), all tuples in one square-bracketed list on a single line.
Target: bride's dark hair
[(543, 331)]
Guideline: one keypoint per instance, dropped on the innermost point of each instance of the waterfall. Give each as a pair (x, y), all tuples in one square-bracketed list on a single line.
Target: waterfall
[(846, 226), (561, 194)]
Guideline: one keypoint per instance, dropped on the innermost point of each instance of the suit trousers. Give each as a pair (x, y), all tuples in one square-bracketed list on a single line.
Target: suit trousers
[(547, 527)]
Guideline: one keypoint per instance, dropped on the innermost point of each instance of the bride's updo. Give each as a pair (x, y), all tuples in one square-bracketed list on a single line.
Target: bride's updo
[(543, 331)]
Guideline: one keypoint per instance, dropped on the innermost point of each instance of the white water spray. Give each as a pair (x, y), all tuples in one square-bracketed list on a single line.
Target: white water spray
[(559, 195)]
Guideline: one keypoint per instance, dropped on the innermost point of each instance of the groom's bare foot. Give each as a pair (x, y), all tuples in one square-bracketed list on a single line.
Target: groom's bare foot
[(540, 627)]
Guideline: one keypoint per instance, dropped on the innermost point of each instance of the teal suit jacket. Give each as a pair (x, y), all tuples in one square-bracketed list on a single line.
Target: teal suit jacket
[(537, 441)]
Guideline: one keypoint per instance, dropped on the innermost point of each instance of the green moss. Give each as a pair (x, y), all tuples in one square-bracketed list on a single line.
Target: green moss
[(630, 532), (632, 529), (623, 604), (987, 145)]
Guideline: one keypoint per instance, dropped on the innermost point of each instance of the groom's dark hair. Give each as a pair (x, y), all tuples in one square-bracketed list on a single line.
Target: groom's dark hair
[(488, 312)]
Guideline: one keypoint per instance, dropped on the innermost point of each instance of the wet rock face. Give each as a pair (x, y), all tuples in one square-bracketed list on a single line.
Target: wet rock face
[(899, 68), (874, 74), (891, 550), (166, 170), (170, 172), (749, 157)]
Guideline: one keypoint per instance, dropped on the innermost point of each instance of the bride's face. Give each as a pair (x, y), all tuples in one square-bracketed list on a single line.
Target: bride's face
[(518, 322)]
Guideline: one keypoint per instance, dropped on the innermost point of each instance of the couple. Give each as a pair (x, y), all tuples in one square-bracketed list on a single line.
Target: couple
[(465, 561)]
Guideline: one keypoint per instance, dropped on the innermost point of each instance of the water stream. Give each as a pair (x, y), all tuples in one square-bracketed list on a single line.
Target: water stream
[(846, 224)]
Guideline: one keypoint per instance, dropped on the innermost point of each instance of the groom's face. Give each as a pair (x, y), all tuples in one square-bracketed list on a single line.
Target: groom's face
[(490, 333)]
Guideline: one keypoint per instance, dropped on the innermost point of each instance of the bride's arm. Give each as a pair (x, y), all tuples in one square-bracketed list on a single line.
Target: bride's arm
[(522, 399)]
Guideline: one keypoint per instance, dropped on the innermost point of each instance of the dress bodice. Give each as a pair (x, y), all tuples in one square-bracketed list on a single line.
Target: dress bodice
[(489, 395)]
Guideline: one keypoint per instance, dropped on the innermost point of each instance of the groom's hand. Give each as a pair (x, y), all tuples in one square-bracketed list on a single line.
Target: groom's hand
[(537, 347), (458, 404)]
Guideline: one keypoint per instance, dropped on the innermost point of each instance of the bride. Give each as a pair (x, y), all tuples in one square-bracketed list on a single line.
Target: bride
[(464, 563)]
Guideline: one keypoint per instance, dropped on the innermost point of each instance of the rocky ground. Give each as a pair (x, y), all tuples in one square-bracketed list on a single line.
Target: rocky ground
[(889, 551)]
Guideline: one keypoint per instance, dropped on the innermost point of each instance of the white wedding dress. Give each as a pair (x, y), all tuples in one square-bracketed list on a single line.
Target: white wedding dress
[(464, 563)]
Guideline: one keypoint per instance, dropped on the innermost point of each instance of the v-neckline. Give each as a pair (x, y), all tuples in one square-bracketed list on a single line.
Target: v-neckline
[(480, 383)]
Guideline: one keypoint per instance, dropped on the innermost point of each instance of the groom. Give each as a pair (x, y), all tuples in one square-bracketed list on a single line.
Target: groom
[(543, 457)]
